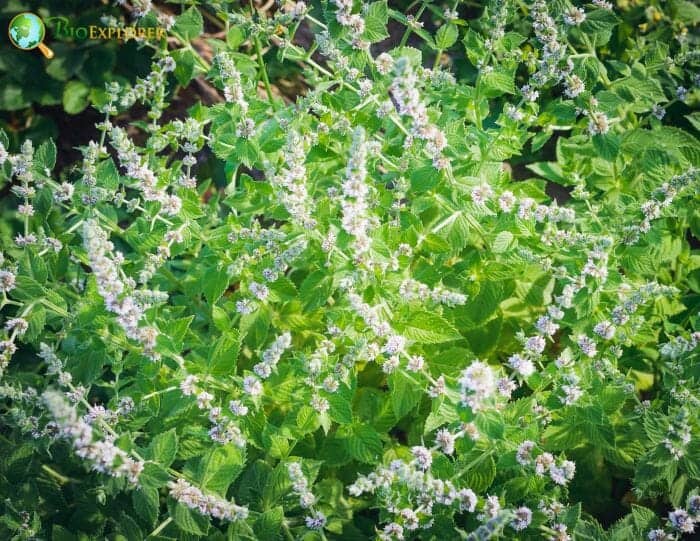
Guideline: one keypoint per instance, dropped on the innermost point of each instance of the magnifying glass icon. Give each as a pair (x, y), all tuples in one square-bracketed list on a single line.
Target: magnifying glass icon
[(27, 31)]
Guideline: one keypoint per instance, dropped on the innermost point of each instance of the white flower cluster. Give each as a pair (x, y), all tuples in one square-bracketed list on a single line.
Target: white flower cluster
[(231, 77), (545, 463), (413, 481), (14, 325), (137, 168), (206, 504), (680, 520), (553, 49), (370, 315), (316, 520), (114, 287), (411, 289), (678, 435), (272, 355), (353, 21), (190, 134), (678, 346), (478, 384), (223, 429), (405, 90), (662, 198), (355, 207), (290, 181), (104, 456), (150, 90), (316, 380)]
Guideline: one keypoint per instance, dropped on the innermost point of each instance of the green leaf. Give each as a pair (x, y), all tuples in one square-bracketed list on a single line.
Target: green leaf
[(153, 476), (551, 171), (269, 524), (223, 358), (214, 283), (443, 412), (184, 65), (220, 467), (446, 36), (341, 404), (146, 504), (497, 82), (107, 175), (607, 145), (190, 24), (474, 46), (315, 290), (376, 19), (598, 26), (477, 470), (307, 420), (428, 328), (187, 520), (644, 519), (685, 12), (503, 242), (128, 528), (75, 97), (163, 448), (364, 444), (405, 393), (45, 156)]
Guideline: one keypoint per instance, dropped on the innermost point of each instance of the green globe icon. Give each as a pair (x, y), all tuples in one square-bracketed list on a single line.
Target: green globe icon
[(27, 31)]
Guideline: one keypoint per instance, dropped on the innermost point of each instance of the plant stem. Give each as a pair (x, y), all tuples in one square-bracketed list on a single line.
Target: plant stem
[(161, 527), (263, 72)]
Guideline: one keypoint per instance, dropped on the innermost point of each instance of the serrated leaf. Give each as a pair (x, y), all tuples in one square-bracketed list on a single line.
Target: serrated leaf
[(497, 82), (315, 290), (163, 448), (224, 354), (364, 444), (75, 97), (153, 476), (146, 504), (269, 524), (477, 470), (107, 175), (406, 393), (189, 521), (446, 36), (214, 283), (429, 328), (190, 24), (503, 242), (376, 19), (220, 467), (45, 156)]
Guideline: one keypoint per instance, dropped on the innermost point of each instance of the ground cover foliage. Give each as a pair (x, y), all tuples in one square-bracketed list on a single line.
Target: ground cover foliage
[(355, 270)]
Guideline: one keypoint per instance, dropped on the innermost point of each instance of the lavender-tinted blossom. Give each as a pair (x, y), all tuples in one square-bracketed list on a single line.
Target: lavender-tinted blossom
[(195, 499)]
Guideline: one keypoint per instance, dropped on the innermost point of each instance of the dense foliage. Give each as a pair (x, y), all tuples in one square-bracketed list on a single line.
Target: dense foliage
[(405, 271)]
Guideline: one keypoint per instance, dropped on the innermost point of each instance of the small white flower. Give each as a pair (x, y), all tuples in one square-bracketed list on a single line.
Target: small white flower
[(252, 386), (204, 399), (187, 386), (422, 456)]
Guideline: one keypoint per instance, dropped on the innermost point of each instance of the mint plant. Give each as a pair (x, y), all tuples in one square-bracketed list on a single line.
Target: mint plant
[(446, 288)]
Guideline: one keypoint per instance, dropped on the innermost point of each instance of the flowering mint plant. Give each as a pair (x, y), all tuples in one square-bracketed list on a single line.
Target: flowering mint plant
[(446, 287)]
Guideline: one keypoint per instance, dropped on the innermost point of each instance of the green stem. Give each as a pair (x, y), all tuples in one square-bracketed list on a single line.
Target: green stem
[(160, 527), (263, 72), (409, 30), (62, 479)]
